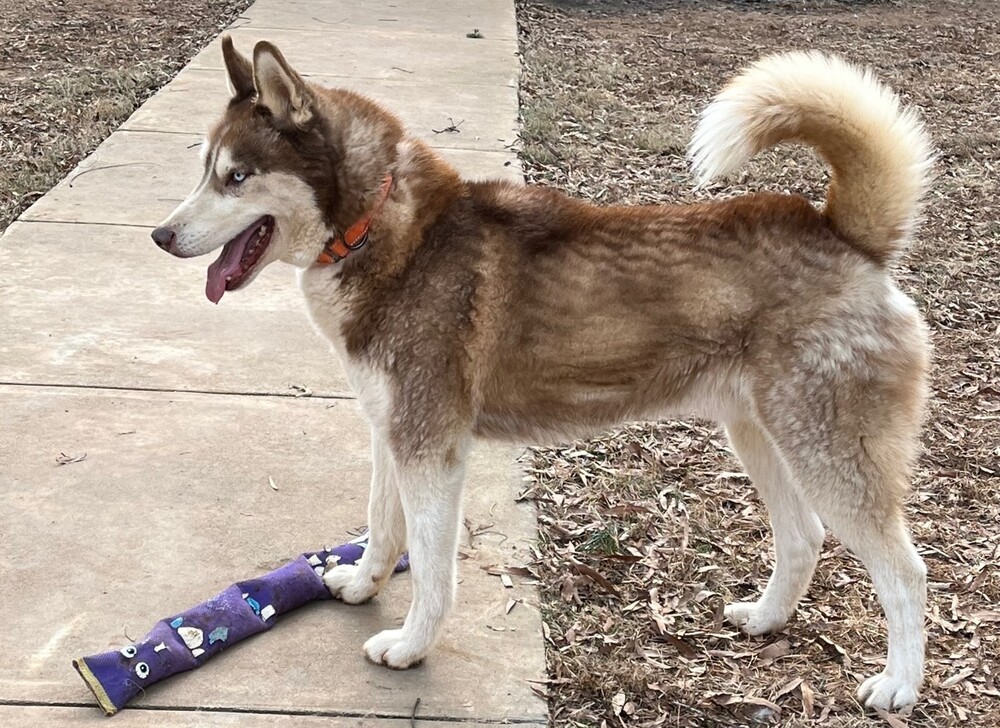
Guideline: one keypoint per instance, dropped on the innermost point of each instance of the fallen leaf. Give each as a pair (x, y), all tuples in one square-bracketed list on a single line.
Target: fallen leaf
[(788, 687), (808, 696), (893, 720), (65, 459), (270, 481), (568, 591), (958, 677), (617, 703), (773, 651), (682, 647), (596, 576)]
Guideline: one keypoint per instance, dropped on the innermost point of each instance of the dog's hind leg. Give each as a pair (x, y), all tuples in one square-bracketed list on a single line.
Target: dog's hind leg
[(798, 533), (848, 445), (430, 489), (358, 583)]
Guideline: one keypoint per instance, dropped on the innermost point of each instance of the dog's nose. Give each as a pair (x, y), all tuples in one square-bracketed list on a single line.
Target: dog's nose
[(164, 237)]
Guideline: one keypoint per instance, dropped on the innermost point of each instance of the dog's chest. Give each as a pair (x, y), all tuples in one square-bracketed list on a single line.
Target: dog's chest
[(328, 307)]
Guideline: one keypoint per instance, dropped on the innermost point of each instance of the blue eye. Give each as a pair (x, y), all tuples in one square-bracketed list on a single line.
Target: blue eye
[(238, 177)]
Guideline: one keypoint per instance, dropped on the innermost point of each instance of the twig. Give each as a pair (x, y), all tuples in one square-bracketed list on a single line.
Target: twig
[(397, 68), (327, 22), (106, 166), (65, 459), (451, 128), (413, 715)]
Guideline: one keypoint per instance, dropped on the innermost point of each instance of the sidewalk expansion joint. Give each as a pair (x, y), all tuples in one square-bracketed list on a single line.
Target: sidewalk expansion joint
[(30, 221), (507, 720), (291, 394), (308, 75)]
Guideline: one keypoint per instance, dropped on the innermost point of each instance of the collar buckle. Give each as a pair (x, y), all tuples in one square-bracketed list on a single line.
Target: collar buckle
[(356, 236)]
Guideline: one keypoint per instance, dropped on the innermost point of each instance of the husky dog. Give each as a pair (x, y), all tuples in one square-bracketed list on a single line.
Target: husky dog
[(491, 309)]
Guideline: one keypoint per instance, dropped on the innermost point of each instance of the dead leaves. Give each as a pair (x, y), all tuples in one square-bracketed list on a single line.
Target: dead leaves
[(662, 512), (72, 72), (655, 618)]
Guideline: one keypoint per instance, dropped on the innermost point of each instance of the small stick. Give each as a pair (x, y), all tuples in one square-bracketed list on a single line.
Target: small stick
[(452, 128)]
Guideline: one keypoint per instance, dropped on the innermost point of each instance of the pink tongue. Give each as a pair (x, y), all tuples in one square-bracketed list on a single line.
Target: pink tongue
[(227, 264)]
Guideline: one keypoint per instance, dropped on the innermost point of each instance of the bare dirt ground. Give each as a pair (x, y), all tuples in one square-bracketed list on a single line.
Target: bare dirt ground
[(647, 532), (71, 71)]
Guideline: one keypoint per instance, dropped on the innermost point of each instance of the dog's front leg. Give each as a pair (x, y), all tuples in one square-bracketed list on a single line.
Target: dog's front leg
[(431, 490), (358, 583)]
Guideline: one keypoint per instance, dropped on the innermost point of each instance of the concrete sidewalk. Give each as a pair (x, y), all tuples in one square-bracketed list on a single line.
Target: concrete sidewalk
[(185, 410)]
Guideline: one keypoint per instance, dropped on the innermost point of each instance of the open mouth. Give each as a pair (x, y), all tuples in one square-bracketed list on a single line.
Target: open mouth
[(238, 259)]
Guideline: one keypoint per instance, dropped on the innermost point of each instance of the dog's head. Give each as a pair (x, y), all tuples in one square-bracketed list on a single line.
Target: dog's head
[(269, 176)]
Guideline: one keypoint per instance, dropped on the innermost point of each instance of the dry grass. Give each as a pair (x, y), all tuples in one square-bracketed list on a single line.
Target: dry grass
[(70, 72), (610, 93)]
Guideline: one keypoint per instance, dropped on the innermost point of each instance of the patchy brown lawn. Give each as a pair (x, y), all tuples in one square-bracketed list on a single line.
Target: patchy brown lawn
[(647, 532), (71, 71)]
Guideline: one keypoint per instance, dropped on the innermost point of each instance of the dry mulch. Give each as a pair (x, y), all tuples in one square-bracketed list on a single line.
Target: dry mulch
[(71, 71), (648, 531)]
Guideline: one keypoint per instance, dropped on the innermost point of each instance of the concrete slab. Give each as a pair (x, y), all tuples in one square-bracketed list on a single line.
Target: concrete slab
[(193, 101), (172, 504), (20, 716), (100, 305), (137, 178), (495, 20), (442, 56)]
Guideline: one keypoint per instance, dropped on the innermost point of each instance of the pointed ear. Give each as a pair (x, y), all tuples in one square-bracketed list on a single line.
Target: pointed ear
[(238, 70), (281, 90)]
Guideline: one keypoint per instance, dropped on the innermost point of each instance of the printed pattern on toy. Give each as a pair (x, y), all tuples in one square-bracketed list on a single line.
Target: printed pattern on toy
[(185, 641)]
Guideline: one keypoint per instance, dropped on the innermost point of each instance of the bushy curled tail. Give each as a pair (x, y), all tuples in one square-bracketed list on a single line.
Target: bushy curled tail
[(879, 153)]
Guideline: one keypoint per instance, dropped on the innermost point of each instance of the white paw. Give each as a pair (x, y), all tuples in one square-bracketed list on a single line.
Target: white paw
[(888, 692), (754, 620), (392, 649), (347, 583)]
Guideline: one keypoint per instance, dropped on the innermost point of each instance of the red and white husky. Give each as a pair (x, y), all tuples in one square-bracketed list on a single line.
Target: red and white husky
[(490, 309)]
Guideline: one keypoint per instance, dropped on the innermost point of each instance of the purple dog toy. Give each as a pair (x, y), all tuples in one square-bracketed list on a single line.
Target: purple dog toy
[(187, 640)]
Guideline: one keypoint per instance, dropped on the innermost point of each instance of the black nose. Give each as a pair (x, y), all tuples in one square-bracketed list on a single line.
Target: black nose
[(164, 237)]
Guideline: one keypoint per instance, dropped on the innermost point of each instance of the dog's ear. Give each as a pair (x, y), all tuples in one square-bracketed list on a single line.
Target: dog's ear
[(280, 89), (239, 71)]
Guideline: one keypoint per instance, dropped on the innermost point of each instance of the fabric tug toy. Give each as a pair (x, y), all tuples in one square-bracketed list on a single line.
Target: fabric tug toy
[(187, 640)]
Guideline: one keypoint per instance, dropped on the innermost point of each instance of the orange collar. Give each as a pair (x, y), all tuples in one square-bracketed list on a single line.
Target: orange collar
[(340, 246)]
